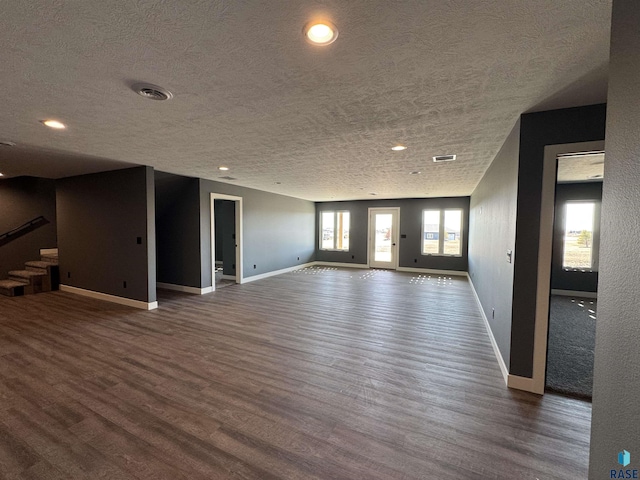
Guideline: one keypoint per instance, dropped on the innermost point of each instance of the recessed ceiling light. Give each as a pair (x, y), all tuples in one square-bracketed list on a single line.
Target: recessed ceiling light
[(320, 33), (224, 169), (54, 124), (278, 183), (152, 92), (398, 148), (1, 175), (373, 193), (596, 176)]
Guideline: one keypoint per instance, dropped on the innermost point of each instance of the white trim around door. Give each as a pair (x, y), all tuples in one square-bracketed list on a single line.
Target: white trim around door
[(394, 237), (239, 240)]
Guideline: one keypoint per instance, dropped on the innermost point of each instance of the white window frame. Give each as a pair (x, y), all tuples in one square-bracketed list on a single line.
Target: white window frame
[(335, 231), (441, 232)]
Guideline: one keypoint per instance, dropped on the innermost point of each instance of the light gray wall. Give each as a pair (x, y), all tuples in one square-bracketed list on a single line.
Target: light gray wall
[(279, 231), (100, 217), (178, 229), (22, 199), (616, 382), (492, 231), (409, 248)]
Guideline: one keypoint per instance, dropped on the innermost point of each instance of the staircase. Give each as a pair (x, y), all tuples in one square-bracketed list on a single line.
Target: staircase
[(38, 276)]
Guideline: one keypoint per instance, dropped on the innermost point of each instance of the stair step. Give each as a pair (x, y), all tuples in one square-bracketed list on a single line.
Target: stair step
[(25, 274), (49, 258), (38, 264), (12, 288)]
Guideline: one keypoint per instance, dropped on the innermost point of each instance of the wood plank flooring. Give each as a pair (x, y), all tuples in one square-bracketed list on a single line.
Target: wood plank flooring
[(322, 373)]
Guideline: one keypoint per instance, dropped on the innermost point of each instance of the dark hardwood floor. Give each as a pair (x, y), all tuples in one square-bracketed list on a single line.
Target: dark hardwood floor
[(318, 374)]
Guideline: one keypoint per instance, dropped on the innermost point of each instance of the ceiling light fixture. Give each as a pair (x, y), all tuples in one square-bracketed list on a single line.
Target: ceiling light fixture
[(398, 148), (320, 32), (55, 124), (152, 92), (224, 169), (1, 175)]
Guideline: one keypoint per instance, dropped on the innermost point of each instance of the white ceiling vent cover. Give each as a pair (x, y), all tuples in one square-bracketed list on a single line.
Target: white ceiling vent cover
[(152, 92), (444, 158)]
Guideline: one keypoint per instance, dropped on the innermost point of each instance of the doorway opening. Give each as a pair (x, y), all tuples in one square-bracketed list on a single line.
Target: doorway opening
[(574, 274), (384, 226), (226, 240), (545, 252)]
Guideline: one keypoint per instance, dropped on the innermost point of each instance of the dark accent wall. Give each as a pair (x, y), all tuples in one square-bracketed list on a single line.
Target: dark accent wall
[(571, 125), (410, 248), (279, 231), (492, 232), (616, 382), (106, 232), (177, 229), (574, 280), (22, 199)]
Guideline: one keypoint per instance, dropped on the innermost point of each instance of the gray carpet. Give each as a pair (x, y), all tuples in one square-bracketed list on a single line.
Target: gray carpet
[(572, 333)]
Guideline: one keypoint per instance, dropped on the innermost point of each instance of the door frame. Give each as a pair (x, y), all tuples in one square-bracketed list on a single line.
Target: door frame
[(239, 240), (395, 241), (545, 252)]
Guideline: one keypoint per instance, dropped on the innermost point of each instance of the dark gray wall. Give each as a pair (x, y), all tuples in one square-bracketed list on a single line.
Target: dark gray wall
[(492, 231), (225, 230), (279, 231), (616, 382), (410, 248), (571, 125), (22, 199), (570, 280), (178, 229), (100, 218)]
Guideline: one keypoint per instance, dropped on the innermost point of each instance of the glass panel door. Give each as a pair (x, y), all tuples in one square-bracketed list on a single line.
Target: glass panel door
[(383, 237)]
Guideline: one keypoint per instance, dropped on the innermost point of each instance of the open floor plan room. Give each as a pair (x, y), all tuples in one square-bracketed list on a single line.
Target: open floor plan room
[(316, 374)]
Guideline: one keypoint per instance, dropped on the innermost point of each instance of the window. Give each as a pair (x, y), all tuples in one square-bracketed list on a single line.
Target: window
[(334, 231), (442, 232), (577, 251)]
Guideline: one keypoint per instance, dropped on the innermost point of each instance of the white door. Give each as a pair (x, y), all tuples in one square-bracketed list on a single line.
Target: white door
[(383, 237)]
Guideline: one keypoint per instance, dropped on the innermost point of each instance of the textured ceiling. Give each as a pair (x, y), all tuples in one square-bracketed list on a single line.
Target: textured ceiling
[(581, 168), (439, 76)]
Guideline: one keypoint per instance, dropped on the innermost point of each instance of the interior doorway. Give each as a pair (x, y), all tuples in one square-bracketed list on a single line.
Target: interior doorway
[(383, 237), (545, 251), (574, 274), (226, 240)]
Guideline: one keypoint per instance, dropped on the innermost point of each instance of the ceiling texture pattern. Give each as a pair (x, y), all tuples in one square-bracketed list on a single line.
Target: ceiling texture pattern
[(442, 77)]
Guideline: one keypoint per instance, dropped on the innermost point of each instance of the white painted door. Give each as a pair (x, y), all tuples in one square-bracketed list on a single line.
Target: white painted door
[(383, 237)]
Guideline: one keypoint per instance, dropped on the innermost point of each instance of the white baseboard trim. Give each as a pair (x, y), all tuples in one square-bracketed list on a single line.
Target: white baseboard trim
[(48, 251), (431, 271), (276, 272), (185, 289), (339, 265), (523, 383), (574, 293), (110, 298), (494, 344)]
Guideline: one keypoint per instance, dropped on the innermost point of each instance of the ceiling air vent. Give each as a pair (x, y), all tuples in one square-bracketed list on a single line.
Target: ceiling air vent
[(152, 92), (444, 158), (227, 177)]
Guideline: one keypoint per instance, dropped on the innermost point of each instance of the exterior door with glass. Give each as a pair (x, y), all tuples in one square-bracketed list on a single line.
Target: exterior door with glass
[(383, 237)]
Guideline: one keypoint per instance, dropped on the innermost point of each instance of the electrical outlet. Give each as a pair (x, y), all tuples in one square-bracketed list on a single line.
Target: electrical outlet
[(124, 284), (254, 267), (493, 313)]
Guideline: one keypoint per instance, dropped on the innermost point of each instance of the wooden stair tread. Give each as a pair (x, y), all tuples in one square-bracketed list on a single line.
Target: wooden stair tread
[(11, 283), (26, 273), (38, 264)]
